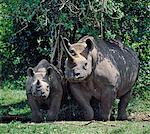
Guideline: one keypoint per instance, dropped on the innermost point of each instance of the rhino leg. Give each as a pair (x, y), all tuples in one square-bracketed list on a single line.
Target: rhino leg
[(83, 98), (107, 99), (123, 105), (106, 108), (36, 114), (54, 105)]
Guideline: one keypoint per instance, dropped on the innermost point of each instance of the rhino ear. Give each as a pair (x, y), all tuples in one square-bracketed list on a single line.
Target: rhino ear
[(30, 72), (90, 44), (49, 70)]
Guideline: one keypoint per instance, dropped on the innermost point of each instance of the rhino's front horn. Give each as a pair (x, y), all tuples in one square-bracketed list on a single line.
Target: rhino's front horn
[(66, 45)]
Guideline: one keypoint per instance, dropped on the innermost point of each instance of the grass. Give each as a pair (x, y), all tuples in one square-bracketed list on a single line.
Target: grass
[(13, 101), (64, 127)]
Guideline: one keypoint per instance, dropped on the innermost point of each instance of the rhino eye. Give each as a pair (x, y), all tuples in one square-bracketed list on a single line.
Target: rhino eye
[(73, 52), (85, 66)]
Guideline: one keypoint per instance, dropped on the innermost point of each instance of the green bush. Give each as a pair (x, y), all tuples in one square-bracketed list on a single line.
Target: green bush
[(30, 30), (135, 34)]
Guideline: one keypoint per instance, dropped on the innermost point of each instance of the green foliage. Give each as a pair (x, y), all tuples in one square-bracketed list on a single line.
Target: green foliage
[(6, 25), (14, 84), (29, 30), (140, 103), (135, 34)]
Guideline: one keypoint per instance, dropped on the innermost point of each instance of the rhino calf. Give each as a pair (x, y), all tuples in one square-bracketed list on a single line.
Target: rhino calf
[(101, 70), (44, 90)]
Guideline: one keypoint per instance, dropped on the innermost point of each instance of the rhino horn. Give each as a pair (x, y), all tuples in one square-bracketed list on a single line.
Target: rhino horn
[(66, 44)]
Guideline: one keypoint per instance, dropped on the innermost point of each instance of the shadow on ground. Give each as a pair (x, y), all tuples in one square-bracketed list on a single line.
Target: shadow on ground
[(7, 115), (70, 111)]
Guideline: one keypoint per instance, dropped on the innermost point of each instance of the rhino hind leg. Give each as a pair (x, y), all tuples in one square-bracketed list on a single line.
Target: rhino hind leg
[(123, 105)]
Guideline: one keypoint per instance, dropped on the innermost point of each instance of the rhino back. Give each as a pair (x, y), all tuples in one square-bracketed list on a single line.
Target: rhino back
[(123, 59), (42, 64)]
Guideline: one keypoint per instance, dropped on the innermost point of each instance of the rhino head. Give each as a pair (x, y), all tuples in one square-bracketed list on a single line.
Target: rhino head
[(78, 64), (40, 82)]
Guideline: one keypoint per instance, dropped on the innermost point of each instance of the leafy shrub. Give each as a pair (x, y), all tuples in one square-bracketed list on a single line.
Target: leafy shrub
[(30, 30)]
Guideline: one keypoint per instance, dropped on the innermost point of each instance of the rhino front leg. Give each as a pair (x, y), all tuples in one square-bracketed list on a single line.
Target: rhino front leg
[(36, 114), (106, 108), (83, 98), (123, 105), (55, 103)]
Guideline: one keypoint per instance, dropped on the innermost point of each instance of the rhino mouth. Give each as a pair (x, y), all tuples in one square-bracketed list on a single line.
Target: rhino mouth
[(80, 77), (40, 94), (73, 79), (41, 97)]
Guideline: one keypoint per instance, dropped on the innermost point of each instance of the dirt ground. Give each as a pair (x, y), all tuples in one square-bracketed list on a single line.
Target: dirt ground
[(145, 116)]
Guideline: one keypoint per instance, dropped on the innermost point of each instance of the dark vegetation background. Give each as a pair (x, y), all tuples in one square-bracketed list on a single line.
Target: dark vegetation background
[(30, 29)]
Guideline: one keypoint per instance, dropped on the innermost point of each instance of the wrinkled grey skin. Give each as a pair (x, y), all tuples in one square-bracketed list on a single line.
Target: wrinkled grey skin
[(101, 70), (44, 91)]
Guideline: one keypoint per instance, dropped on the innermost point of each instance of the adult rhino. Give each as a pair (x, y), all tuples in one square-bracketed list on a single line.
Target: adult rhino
[(102, 70), (44, 90)]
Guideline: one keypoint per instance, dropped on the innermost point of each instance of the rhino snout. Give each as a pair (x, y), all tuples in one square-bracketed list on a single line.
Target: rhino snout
[(76, 74), (37, 93)]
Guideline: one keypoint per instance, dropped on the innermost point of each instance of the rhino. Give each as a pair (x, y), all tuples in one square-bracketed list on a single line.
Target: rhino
[(101, 70), (44, 90)]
